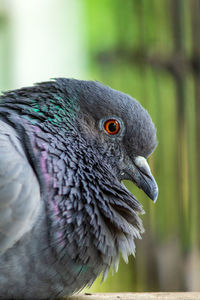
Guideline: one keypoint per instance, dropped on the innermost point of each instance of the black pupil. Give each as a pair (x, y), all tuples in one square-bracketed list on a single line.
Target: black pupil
[(112, 127)]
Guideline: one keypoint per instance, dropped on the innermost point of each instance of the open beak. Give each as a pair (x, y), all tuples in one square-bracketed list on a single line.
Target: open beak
[(139, 172)]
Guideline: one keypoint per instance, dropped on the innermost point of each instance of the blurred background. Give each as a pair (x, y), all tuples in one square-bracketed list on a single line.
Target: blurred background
[(151, 50)]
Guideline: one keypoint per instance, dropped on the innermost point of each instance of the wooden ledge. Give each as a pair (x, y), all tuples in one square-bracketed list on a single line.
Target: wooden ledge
[(138, 296)]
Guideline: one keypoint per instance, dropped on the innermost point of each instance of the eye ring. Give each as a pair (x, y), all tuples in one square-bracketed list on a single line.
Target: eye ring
[(112, 126), (115, 134)]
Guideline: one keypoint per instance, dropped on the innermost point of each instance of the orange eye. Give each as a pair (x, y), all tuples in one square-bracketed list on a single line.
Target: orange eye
[(112, 126)]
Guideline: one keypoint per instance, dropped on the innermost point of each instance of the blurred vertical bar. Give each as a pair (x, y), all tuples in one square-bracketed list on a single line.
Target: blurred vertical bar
[(179, 73), (4, 46), (47, 40), (195, 22)]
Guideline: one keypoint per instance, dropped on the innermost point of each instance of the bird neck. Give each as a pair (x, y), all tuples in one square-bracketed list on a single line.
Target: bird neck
[(87, 206)]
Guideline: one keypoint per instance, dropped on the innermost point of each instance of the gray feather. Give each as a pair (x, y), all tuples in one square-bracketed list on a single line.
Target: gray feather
[(19, 190)]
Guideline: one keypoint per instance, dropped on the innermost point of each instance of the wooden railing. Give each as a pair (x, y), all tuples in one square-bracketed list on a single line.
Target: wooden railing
[(138, 296)]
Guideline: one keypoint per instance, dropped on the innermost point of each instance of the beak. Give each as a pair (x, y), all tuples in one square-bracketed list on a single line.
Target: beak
[(139, 172)]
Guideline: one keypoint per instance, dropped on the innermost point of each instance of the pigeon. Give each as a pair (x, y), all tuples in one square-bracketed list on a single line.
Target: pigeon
[(66, 145)]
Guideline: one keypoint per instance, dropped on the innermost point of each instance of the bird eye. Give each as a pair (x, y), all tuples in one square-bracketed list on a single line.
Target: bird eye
[(112, 126)]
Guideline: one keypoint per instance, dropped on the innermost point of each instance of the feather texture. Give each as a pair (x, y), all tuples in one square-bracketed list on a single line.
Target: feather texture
[(65, 216)]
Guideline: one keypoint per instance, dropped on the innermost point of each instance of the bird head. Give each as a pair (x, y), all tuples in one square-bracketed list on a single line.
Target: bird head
[(121, 130)]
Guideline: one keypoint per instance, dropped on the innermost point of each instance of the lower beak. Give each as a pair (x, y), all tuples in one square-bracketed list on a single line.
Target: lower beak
[(139, 172)]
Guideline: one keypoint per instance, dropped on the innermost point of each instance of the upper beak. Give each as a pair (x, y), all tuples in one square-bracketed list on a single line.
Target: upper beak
[(139, 172)]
